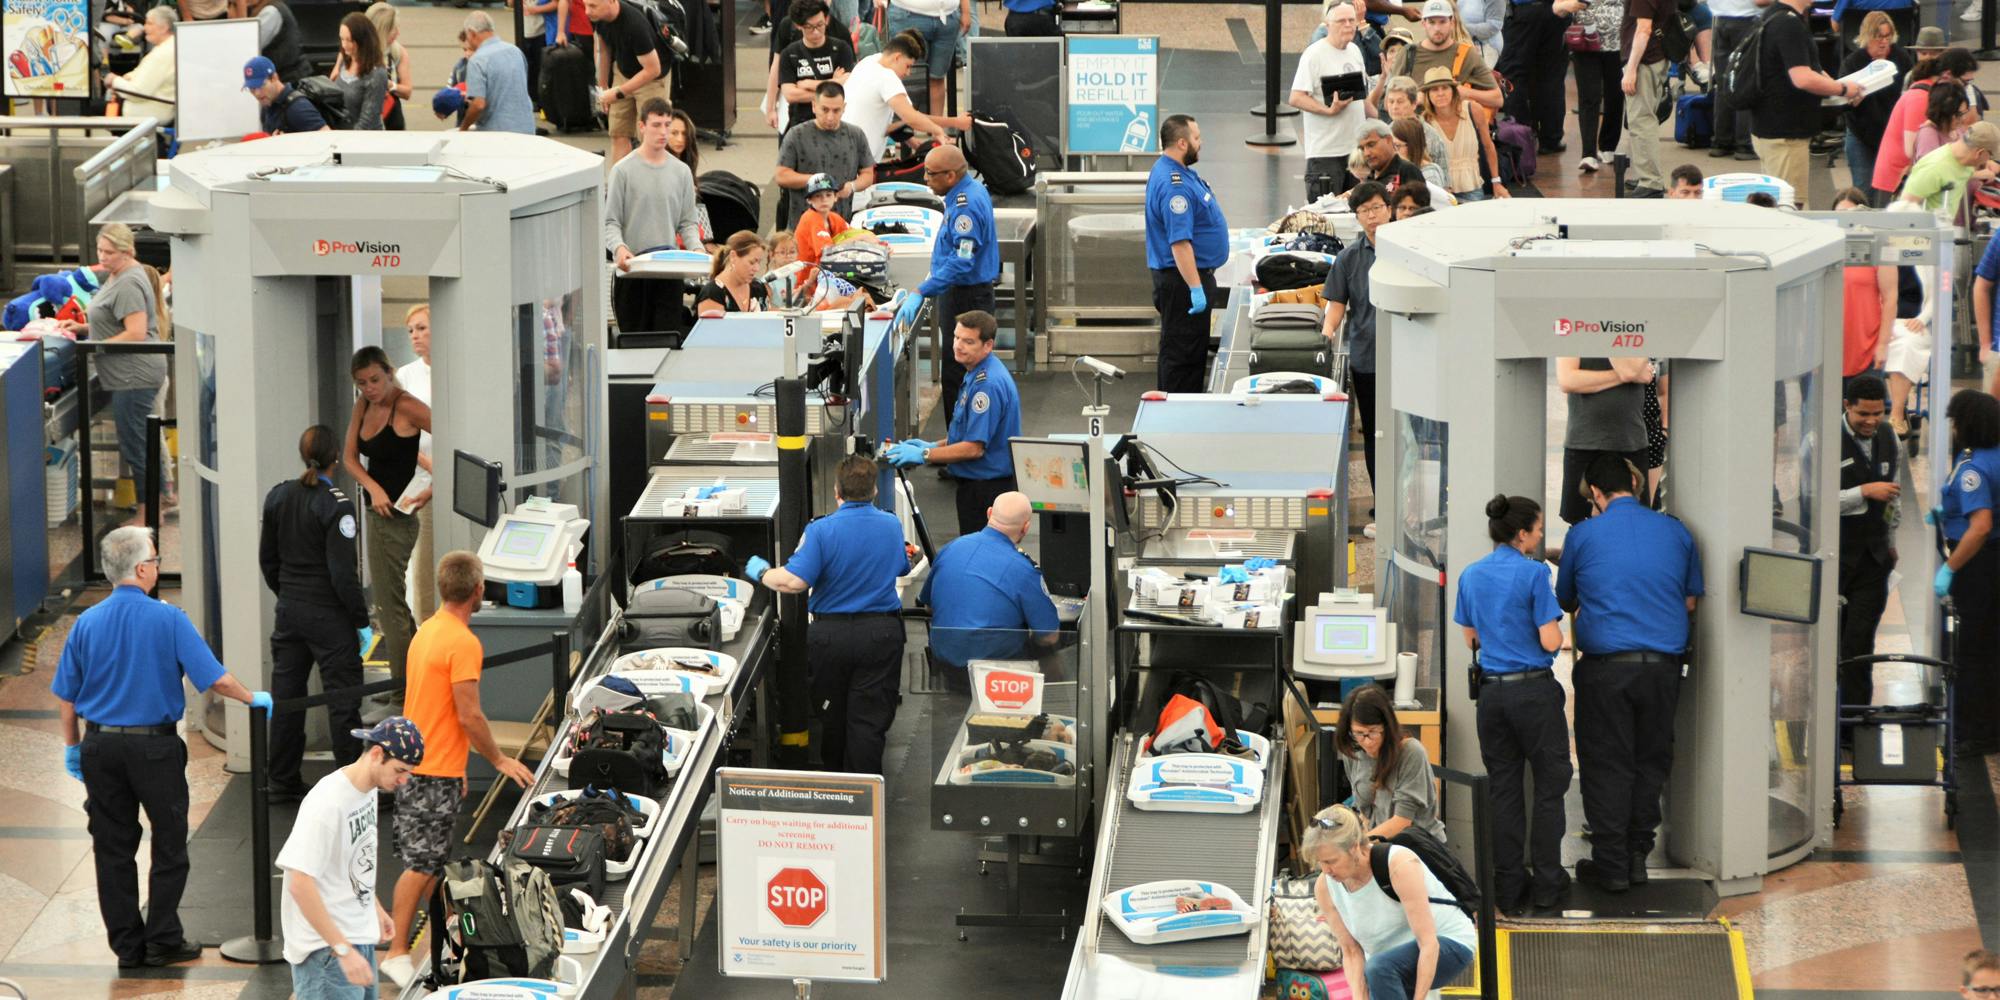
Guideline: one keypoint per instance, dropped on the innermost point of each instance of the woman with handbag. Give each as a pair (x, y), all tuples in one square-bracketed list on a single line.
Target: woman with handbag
[(1592, 40)]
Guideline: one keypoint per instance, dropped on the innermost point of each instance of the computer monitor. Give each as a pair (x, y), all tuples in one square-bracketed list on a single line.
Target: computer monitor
[(1780, 585), (1346, 637), (476, 489), (523, 545), (1053, 474)]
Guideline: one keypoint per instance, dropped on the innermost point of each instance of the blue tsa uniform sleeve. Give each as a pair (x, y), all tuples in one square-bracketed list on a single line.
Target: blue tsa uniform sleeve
[(1170, 206), (965, 251), (197, 661), (1542, 597), (1032, 595), (1462, 613), (1693, 585), (806, 562)]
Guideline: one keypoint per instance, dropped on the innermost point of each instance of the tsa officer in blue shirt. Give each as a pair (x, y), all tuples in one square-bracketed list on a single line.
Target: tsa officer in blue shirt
[(850, 560), (121, 672), (1186, 240), (976, 451), (965, 257), (1511, 620), (1032, 19), (1632, 575), (1971, 572), (985, 595)]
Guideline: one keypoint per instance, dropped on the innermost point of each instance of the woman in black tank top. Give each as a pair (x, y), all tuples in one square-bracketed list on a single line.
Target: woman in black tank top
[(385, 430)]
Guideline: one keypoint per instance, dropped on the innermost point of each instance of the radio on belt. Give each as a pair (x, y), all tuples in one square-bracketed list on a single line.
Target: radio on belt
[(527, 552)]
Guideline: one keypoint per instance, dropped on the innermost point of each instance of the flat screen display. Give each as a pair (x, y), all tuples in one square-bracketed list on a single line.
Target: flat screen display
[(1780, 585), (1357, 636), (1053, 474), (475, 489), (523, 539)]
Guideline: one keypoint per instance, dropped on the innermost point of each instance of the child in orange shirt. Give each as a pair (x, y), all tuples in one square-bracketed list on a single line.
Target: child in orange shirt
[(819, 223)]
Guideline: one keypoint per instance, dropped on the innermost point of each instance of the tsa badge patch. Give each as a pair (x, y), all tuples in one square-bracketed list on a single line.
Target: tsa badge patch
[(963, 225), (1179, 204), (1970, 481), (980, 402), (347, 525)]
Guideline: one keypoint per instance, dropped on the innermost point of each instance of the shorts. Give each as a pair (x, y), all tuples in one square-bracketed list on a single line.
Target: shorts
[(625, 110), (426, 811), (940, 39)]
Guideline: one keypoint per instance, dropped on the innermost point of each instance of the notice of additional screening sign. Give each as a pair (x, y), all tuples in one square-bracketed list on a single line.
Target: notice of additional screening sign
[(799, 875)]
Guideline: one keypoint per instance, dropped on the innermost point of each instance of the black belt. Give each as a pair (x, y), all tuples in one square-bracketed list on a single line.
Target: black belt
[(165, 729), (1636, 656), (1515, 675), (852, 615)]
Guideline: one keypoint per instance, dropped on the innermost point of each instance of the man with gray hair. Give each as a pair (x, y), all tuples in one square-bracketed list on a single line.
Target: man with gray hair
[(1379, 160), (121, 672), (496, 82)]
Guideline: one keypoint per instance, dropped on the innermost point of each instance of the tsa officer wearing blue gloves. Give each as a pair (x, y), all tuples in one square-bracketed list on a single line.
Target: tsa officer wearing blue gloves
[(1632, 575), (1971, 573), (976, 450), (1186, 240), (121, 672), (985, 595), (965, 257), (307, 550), (1510, 617), (850, 560)]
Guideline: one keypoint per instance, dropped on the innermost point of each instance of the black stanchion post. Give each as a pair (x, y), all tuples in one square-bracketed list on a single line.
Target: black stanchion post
[(262, 947), (1273, 109), (151, 487), (1482, 858), (86, 488), (559, 675), (793, 695)]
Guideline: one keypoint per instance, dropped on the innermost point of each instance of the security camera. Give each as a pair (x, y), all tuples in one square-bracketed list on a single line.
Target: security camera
[(1103, 370)]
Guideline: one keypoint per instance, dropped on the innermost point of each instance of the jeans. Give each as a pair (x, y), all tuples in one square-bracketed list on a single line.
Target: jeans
[(129, 410), (1392, 975), (1600, 100), (1860, 162), (319, 977), (940, 38), (1642, 130)]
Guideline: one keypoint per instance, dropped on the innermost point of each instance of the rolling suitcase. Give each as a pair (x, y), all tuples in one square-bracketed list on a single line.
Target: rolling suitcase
[(1694, 120), (565, 89), (1290, 349)]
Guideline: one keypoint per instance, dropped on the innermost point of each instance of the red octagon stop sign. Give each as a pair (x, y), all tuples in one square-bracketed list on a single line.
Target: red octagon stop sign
[(796, 897)]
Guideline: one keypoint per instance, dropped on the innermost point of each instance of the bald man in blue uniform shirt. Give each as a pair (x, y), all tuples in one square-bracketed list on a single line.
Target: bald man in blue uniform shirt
[(965, 257), (986, 597)]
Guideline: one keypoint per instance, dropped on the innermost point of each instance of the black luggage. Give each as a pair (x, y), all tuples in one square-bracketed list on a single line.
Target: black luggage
[(686, 552), (570, 855), (565, 89), (733, 203), (1003, 156), (1284, 270), (1290, 349), (622, 750)]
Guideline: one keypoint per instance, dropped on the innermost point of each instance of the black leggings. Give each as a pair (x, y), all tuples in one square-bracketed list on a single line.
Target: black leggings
[(1600, 100)]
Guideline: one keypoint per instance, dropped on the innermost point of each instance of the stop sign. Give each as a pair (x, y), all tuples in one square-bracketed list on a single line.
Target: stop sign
[(796, 897), (1007, 689)]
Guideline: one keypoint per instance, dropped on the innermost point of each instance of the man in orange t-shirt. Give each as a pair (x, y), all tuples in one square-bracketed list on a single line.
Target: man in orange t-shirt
[(442, 697)]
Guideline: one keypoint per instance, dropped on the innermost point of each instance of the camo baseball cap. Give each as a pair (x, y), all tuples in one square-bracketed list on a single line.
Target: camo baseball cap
[(397, 736)]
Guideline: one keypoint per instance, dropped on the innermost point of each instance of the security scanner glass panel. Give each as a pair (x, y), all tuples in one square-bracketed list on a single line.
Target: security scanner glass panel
[(1741, 302), (288, 241)]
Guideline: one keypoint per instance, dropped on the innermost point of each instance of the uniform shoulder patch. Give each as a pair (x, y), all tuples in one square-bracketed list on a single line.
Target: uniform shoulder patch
[(337, 495), (980, 404), (1173, 178), (964, 224), (1969, 481), (961, 199), (1179, 204), (347, 525), (981, 377)]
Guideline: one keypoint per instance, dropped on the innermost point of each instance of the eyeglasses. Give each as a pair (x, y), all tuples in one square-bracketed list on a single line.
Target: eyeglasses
[(1984, 991), (819, 25), (928, 172)]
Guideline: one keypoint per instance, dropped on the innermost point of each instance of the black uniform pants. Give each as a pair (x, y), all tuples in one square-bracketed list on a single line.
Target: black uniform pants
[(1364, 408), (857, 674), (1864, 588), (974, 496), (307, 634), (1183, 337), (1522, 731), (1625, 749), (1975, 593), (1035, 24), (1533, 57), (121, 775), (957, 299)]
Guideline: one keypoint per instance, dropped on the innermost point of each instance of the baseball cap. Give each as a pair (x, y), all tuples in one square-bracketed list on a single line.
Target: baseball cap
[(818, 183), (257, 71), (447, 101), (1984, 135), (1437, 8), (1400, 36), (397, 736)]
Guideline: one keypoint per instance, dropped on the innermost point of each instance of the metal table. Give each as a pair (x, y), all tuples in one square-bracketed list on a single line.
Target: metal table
[(1016, 231)]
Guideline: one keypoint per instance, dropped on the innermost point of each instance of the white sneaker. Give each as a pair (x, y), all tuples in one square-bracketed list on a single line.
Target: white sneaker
[(1589, 165), (1971, 13), (400, 970), (1368, 531)]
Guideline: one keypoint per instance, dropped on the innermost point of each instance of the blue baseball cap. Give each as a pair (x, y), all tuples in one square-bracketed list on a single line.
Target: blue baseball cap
[(397, 736), (257, 71), (447, 100)]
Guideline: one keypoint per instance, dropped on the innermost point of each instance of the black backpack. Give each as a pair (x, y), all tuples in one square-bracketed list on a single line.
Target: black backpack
[(1230, 712), (1436, 857), (1003, 155), (325, 96), (612, 814), (1746, 73), (621, 750), (1284, 270), (1677, 33), (569, 855), (503, 920)]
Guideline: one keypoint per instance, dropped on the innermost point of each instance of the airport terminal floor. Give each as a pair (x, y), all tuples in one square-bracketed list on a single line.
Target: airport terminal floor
[(1887, 909)]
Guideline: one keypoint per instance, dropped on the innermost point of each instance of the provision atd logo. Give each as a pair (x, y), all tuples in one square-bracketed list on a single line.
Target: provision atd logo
[(382, 254), (1626, 333)]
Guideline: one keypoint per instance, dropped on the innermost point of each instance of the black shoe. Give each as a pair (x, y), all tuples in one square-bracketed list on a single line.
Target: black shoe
[(186, 951), (1545, 897), (1551, 148), (1640, 192), (1718, 152), (1588, 872), (1639, 875), (285, 795), (132, 963), (1746, 153)]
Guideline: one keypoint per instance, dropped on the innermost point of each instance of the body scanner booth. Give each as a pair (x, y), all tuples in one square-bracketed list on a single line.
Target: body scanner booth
[(280, 247), (1744, 304)]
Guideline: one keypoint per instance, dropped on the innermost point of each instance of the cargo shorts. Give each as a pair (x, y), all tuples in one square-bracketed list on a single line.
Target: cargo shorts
[(426, 811)]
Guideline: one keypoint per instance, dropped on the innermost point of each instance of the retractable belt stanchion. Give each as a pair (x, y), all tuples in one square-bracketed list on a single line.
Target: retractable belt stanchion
[(263, 946), (1482, 860), (1274, 108)]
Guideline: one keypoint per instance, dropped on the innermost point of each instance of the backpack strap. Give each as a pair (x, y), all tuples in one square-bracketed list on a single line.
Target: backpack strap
[(1378, 863), (1458, 61)]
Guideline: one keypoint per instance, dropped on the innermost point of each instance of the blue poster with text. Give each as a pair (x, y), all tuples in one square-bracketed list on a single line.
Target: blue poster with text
[(1113, 86)]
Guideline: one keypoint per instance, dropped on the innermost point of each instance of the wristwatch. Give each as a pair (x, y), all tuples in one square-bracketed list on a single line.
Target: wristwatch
[(927, 456), (342, 950)]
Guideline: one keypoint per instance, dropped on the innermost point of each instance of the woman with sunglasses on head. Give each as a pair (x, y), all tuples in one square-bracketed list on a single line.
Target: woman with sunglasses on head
[(1507, 606), (1391, 948), (1388, 773)]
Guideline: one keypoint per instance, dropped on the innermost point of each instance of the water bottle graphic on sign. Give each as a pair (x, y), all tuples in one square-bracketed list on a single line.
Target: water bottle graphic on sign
[(1138, 135)]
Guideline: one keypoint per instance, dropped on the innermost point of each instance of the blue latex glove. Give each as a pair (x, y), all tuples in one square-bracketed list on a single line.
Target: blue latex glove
[(1261, 562), (1941, 584), (907, 455), (73, 761), (260, 699), (1197, 299), (1235, 574), (365, 635), (906, 314), (756, 568), (1934, 515)]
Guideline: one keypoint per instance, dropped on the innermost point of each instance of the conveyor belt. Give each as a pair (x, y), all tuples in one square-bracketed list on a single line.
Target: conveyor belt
[(1136, 846)]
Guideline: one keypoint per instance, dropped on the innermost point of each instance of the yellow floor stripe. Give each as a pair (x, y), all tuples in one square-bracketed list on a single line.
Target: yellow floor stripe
[(1740, 955)]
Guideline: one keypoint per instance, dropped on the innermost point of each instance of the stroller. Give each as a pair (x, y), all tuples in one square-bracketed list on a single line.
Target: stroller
[(732, 203), (1909, 757)]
